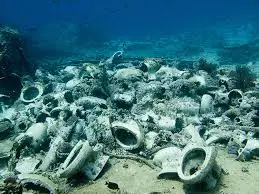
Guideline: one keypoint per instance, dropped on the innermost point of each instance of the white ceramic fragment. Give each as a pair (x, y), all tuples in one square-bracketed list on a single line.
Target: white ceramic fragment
[(168, 160), (193, 131), (72, 83), (127, 134), (206, 106), (151, 66), (196, 163), (71, 70), (27, 165), (218, 137), (38, 132), (222, 98), (51, 156), (165, 123), (117, 55), (150, 139), (5, 148), (39, 181), (75, 160), (93, 168), (90, 70), (31, 93), (251, 146)]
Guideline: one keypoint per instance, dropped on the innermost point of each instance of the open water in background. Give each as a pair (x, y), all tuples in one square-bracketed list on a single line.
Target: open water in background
[(71, 26)]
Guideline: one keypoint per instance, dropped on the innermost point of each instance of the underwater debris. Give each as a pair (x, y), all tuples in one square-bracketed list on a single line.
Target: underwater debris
[(94, 167), (113, 60), (197, 164), (168, 160), (31, 93), (27, 165), (127, 134), (38, 133), (251, 149), (42, 184), (75, 160), (132, 157), (206, 106), (6, 127), (151, 66), (157, 115)]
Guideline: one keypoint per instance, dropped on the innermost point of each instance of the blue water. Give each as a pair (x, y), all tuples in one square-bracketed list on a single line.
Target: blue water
[(83, 23)]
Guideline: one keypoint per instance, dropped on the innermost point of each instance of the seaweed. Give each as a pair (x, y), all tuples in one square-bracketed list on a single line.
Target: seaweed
[(243, 77), (211, 68)]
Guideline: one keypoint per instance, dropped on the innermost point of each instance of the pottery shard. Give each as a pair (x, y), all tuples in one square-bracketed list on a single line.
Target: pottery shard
[(27, 165)]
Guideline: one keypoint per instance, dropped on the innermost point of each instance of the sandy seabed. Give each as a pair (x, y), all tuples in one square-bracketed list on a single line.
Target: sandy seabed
[(135, 178)]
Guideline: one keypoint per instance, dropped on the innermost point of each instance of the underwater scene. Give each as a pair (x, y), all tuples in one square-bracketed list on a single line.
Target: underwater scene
[(129, 97)]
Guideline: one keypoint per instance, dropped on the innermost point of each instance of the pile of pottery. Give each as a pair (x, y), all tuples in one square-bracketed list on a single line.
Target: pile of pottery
[(72, 122)]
